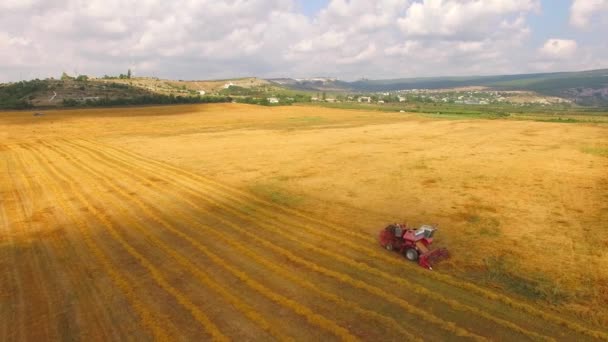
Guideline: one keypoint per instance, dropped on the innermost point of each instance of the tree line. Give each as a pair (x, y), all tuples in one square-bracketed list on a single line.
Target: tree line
[(18, 95), (151, 99)]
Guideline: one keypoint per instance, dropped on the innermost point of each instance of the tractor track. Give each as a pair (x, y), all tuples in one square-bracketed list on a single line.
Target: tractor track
[(15, 287), (160, 325), (196, 271), (156, 274), (67, 275), (147, 319), (36, 270), (453, 304), (449, 280), (54, 274)]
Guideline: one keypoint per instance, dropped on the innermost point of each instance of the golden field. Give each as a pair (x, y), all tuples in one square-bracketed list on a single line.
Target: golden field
[(230, 222)]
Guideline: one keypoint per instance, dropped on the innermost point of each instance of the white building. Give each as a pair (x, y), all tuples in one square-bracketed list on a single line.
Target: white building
[(273, 100), (365, 99), (401, 98), (201, 92)]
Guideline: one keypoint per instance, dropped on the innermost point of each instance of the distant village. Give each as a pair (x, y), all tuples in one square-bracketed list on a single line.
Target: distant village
[(447, 96)]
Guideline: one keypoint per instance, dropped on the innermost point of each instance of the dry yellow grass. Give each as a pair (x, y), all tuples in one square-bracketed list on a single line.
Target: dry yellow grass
[(245, 222)]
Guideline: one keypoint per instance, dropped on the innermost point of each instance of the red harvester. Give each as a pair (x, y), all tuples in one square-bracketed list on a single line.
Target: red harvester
[(414, 244)]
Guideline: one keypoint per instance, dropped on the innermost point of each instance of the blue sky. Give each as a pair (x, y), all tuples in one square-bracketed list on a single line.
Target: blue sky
[(312, 7), (347, 39), (552, 21)]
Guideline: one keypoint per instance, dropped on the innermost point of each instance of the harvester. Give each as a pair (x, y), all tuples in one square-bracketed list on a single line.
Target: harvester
[(414, 244)]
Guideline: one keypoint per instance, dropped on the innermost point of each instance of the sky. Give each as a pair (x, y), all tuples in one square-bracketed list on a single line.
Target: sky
[(346, 39)]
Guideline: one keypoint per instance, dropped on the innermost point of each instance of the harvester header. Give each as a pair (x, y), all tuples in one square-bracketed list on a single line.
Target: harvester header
[(414, 244)]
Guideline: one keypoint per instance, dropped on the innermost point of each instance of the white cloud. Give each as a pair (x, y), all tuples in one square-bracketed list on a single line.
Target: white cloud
[(327, 40), (188, 39), (403, 49), (559, 48), (582, 12), (13, 5), (471, 19), (365, 55)]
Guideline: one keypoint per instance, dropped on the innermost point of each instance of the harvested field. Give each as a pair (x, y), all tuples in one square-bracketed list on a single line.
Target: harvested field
[(230, 222)]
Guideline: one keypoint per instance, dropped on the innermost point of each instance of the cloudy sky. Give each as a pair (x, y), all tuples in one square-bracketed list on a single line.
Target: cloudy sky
[(348, 39)]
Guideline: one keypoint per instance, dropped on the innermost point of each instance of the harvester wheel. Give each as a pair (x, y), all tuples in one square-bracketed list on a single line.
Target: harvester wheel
[(389, 246), (411, 254)]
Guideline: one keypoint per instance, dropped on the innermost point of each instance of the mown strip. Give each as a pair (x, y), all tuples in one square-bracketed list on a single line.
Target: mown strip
[(206, 181), (298, 308), (156, 274), (240, 305), (70, 278), (13, 327), (32, 255), (282, 271), (147, 319)]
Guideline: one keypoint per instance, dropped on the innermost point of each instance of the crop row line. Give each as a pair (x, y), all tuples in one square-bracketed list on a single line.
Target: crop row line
[(156, 274), (282, 271), (226, 188), (246, 309), (146, 317), (296, 307), (33, 260), (17, 331), (449, 326), (488, 294), (62, 247)]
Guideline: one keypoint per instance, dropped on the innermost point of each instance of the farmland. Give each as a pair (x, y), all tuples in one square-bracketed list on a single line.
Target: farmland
[(230, 222)]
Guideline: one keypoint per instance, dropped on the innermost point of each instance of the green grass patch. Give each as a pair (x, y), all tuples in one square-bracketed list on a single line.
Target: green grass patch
[(484, 226), (306, 120), (447, 111), (274, 193), (560, 120), (501, 270), (490, 231), (596, 151)]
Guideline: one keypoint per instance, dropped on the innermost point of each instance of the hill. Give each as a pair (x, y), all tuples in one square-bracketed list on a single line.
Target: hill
[(69, 92), (584, 87)]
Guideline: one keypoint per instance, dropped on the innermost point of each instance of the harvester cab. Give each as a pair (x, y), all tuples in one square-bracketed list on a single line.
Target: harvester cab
[(414, 244)]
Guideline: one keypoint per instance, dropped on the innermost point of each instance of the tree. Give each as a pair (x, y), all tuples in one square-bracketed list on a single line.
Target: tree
[(65, 77), (82, 78), (129, 73), (323, 96)]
